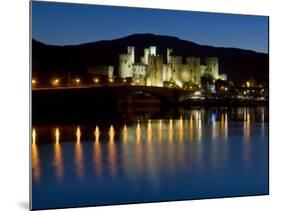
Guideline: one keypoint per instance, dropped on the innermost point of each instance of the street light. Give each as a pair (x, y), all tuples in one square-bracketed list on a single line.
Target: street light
[(96, 80), (33, 81), (111, 80), (55, 81), (77, 80), (124, 80)]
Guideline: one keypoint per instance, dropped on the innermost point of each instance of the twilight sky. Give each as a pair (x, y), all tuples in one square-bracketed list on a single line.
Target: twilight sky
[(66, 24)]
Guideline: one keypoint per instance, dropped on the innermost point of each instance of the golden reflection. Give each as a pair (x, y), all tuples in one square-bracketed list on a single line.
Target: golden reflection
[(170, 131), (149, 131), (78, 134), (190, 128), (36, 171), (160, 135), (33, 136), (97, 153), (222, 125), (138, 149), (171, 146), (112, 152), (247, 124), (97, 134), (181, 130), (199, 128), (79, 155), (149, 161), (138, 132), (125, 133), (226, 126), (180, 147), (111, 133), (57, 135), (246, 143), (58, 160), (222, 120)]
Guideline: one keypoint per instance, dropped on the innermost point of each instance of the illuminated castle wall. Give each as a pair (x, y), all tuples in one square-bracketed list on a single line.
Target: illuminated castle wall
[(152, 71)]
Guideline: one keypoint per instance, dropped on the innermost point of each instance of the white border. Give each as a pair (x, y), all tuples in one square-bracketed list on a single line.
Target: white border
[(14, 103)]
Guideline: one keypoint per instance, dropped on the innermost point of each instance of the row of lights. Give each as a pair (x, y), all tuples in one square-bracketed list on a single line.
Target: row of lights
[(56, 81)]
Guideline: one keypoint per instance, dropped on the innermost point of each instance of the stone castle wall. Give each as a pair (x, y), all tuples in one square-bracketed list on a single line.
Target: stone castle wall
[(155, 72)]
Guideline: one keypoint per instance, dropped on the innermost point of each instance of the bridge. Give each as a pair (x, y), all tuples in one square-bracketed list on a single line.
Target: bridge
[(109, 94)]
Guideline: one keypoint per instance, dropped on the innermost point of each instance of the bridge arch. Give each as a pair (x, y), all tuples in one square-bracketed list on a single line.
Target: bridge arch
[(164, 95)]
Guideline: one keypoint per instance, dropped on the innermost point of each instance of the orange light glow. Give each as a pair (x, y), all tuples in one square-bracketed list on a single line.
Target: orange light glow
[(125, 133), (149, 131), (33, 136), (138, 132), (111, 133), (97, 133), (56, 81), (78, 134), (57, 135)]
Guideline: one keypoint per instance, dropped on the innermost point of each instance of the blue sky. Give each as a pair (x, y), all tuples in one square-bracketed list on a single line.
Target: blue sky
[(66, 24)]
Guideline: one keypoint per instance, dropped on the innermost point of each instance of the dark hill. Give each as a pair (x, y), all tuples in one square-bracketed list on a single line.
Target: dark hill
[(238, 64)]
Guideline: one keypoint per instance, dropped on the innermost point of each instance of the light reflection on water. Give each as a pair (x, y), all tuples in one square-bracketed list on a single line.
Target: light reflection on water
[(58, 157), (36, 170), (78, 156), (199, 149)]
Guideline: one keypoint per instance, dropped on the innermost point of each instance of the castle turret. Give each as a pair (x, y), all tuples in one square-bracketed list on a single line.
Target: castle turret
[(126, 62), (131, 52), (152, 50)]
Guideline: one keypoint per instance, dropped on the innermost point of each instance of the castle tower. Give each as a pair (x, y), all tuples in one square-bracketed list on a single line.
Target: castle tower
[(131, 52), (154, 71), (146, 53), (126, 62), (195, 69), (212, 67), (152, 50), (169, 51)]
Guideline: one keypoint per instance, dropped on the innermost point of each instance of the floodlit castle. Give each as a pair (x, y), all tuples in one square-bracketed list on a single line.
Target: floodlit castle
[(154, 71)]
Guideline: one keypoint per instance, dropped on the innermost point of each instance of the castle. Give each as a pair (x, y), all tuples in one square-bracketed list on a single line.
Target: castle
[(154, 71)]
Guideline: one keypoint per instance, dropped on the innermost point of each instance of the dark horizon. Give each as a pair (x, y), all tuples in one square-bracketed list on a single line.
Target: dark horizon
[(152, 34), (63, 24)]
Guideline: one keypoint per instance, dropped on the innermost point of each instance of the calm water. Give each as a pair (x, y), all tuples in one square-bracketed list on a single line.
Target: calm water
[(196, 153)]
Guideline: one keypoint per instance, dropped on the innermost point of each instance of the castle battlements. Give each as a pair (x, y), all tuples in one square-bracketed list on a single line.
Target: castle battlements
[(153, 71)]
